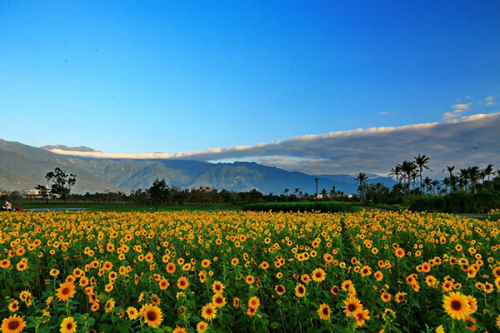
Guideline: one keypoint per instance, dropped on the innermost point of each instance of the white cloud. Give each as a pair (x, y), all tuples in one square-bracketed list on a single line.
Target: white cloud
[(471, 140), (458, 109), (489, 101), (463, 107), (387, 113)]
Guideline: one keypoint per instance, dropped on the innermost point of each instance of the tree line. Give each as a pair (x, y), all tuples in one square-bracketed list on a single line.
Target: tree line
[(410, 181)]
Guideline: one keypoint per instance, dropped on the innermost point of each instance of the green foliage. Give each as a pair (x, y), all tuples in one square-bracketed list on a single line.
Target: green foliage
[(459, 203), (324, 207)]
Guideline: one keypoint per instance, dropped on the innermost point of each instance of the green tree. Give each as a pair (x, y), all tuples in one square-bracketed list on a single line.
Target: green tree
[(62, 182), (421, 162), (159, 192), (44, 191), (361, 179)]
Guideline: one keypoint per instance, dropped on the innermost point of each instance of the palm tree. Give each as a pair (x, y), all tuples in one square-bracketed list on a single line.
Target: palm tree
[(395, 172), (446, 183), (407, 168), (435, 184), (421, 161), (464, 178), (427, 182), (360, 181), (488, 171), (474, 176), (333, 192), (452, 178)]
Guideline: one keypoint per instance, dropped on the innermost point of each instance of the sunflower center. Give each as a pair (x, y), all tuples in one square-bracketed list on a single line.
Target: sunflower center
[(351, 307), (13, 325), (69, 326), (65, 291), (456, 305), (151, 315), (326, 311)]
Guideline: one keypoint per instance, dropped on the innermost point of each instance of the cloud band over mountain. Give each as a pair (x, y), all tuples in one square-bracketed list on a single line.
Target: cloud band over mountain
[(472, 140)]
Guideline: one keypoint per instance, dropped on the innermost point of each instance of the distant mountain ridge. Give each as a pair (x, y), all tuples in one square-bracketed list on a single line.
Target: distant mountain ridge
[(24, 167), (66, 148)]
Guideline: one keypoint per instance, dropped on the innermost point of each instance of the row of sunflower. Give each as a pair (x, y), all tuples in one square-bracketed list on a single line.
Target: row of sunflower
[(233, 271)]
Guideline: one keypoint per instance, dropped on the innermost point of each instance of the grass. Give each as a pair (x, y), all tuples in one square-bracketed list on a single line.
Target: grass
[(125, 206)]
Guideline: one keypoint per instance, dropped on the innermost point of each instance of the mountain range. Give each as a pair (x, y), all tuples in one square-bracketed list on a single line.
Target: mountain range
[(24, 167)]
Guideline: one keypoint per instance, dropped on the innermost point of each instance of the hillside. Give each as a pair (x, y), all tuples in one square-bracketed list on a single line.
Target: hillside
[(24, 167)]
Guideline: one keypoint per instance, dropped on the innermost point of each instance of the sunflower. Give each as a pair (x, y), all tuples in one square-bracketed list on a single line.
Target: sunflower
[(13, 306), (447, 286), (385, 297), (68, 325), (365, 271), (152, 315), (300, 290), (209, 311), (5, 263), (250, 279), (182, 283), (236, 302), (13, 324), (218, 300), (470, 323), (110, 304), (400, 297), (305, 278), (324, 312), (439, 329), (335, 290), (498, 321), (456, 305), (352, 305), (361, 316), (254, 302), (400, 253), (378, 275), (179, 329), (472, 303), (346, 285), (21, 266), (201, 327), (496, 272), (171, 268), (280, 289), (318, 275), (218, 287), (251, 311), (163, 284), (132, 313)]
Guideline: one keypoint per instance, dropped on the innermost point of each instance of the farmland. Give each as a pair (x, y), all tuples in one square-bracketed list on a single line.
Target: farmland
[(248, 271)]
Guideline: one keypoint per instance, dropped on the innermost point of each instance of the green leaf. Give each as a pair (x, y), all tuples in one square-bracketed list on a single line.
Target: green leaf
[(106, 328), (274, 325), (123, 327)]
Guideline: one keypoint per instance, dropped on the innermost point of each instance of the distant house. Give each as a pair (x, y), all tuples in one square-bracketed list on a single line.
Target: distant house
[(32, 194)]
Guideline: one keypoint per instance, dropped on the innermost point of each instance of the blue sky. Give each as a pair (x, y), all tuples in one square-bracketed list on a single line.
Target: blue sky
[(164, 76)]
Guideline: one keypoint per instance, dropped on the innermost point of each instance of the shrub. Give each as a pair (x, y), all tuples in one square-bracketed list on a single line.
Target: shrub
[(459, 203), (324, 207)]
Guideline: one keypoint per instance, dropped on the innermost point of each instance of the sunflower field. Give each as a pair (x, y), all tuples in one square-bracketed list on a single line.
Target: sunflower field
[(185, 271)]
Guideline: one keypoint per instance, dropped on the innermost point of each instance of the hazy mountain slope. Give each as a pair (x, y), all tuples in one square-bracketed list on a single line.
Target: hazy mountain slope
[(24, 167), (131, 174), (243, 176)]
